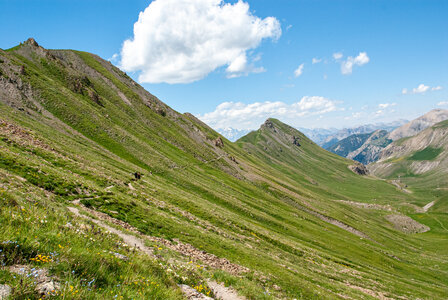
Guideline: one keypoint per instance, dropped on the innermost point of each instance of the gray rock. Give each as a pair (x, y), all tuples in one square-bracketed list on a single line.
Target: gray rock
[(191, 294), (120, 256), (359, 169), (5, 291), (47, 288)]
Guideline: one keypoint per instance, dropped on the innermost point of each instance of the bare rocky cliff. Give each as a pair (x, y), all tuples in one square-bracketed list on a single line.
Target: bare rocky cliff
[(419, 124)]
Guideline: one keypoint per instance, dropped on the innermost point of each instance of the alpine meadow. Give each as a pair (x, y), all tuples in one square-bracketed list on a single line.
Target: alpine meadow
[(107, 192)]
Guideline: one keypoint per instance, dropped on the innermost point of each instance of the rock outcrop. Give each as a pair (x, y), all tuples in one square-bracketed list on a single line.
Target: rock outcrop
[(359, 169), (219, 142)]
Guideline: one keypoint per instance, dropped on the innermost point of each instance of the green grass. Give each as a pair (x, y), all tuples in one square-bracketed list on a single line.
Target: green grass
[(247, 212), (429, 153)]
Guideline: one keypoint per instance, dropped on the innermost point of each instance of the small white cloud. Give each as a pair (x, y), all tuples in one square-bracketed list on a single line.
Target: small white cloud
[(181, 41), (114, 59), (316, 60), (422, 88), (386, 105), (249, 116), (354, 116), (443, 103), (288, 27), (299, 70), (337, 55), (350, 62), (325, 77)]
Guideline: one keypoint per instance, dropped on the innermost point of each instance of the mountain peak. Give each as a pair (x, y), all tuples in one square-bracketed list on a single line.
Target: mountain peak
[(415, 126), (32, 42), (269, 124)]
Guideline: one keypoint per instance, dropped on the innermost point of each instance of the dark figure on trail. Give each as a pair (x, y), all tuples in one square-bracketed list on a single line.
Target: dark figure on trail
[(137, 175)]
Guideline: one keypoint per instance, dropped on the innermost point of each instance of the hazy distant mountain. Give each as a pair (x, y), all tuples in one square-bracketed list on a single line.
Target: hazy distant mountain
[(351, 143), (232, 134), (328, 137), (372, 147), (364, 148), (419, 124), (318, 135), (324, 137), (370, 150)]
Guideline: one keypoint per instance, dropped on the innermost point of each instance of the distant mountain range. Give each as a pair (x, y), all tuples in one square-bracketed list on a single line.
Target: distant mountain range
[(232, 134), (368, 148), (324, 137), (341, 134)]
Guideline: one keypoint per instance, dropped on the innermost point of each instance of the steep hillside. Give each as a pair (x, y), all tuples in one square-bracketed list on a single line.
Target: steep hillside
[(110, 193), (419, 124), (422, 154), (419, 162), (372, 147), (349, 144)]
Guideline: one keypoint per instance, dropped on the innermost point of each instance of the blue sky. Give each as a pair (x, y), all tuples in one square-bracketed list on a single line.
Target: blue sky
[(393, 45)]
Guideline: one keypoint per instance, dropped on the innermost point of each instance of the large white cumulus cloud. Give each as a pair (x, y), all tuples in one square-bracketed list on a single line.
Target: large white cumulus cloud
[(181, 41)]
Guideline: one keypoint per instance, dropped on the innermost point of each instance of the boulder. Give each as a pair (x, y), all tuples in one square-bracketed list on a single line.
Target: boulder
[(359, 169), (5, 291), (219, 142)]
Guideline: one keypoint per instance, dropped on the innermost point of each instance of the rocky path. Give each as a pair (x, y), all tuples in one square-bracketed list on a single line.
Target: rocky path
[(428, 206), (219, 290), (367, 205), (407, 224), (222, 292), (127, 238), (400, 187), (332, 221)]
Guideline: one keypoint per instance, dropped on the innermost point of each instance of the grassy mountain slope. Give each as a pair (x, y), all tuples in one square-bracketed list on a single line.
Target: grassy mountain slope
[(421, 162), (75, 128)]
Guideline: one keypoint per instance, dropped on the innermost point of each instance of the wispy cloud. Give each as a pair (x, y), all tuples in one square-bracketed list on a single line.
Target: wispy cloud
[(114, 59), (422, 88), (337, 55), (299, 70), (386, 105), (443, 103), (316, 60), (348, 64)]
